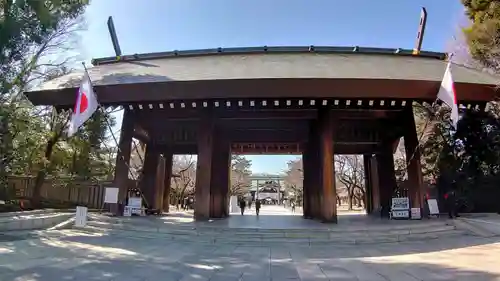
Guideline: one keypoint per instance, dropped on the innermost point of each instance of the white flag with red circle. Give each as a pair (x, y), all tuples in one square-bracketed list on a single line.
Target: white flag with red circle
[(448, 94), (86, 104)]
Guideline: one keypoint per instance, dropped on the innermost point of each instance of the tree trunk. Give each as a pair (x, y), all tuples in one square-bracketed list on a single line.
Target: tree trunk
[(40, 176), (349, 200)]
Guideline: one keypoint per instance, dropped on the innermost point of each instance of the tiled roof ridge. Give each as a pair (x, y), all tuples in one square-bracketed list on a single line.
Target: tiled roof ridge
[(273, 49)]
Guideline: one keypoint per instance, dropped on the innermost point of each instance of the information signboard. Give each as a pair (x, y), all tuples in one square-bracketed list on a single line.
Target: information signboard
[(135, 202), (111, 195), (433, 206), (402, 203), (127, 211), (400, 208), (415, 214)]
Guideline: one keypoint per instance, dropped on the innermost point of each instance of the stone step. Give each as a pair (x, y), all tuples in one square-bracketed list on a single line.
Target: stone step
[(137, 222), (303, 236), (311, 241), (223, 232)]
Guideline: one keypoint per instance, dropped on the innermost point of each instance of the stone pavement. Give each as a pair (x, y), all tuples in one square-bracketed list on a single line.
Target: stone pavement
[(76, 255), (72, 255), (278, 217)]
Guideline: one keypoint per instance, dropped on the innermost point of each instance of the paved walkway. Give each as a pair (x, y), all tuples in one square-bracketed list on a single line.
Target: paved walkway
[(278, 217), (75, 255), (70, 255)]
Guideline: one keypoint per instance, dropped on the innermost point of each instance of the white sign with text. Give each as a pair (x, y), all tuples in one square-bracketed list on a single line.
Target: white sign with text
[(415, 214), (402, 203), (135, 202)]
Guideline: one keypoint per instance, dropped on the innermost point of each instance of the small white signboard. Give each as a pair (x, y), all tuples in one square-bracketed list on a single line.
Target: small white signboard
[(402, 203), (81, 216), (135, 202), (433, 206), (400, 214), (127, 211), (415, 214), (111, 195), (400, 208)]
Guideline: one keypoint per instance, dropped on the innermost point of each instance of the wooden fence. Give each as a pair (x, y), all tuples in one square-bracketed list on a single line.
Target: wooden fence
[(84, 193)]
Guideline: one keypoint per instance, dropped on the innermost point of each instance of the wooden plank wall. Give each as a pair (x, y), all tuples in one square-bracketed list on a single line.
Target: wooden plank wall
[(90, 194)]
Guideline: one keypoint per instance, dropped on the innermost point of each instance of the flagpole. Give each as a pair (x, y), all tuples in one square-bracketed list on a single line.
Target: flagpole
[(99, 106), (419, 140)]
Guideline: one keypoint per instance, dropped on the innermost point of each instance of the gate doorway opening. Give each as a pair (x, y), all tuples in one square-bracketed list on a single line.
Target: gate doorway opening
[(275, 184)]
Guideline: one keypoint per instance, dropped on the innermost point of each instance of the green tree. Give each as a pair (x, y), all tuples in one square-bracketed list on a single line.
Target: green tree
[(483, 35), (30, 31), (27, 28), (88, 160)]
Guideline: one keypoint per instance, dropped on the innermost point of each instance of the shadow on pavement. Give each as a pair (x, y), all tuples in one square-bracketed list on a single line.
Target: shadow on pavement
[(96, 258)]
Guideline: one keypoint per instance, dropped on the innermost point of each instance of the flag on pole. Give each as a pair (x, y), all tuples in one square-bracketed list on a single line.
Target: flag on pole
[(86, 104), (448, 95)]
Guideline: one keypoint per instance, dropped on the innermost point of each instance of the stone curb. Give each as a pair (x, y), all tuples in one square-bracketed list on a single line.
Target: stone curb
[(33, 223), (479, 227), (43, 211)]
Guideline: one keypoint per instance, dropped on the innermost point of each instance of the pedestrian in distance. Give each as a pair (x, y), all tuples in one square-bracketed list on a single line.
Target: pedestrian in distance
[(257, 207), (242, 206), (293, 207), (450, 199)]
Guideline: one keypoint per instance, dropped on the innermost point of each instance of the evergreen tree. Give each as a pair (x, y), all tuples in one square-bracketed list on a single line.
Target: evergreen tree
[(483, 35)]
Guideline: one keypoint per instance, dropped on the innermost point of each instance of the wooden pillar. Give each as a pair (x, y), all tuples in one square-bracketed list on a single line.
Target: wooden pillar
[(368, 183), (168, 156), (327, 171), (226, 181), (148, 179), (306, 192), (219, 187), (204, 166), (387, 177), (159, 186), (314, 171), (415, 179), (375, 184), (121, 180)]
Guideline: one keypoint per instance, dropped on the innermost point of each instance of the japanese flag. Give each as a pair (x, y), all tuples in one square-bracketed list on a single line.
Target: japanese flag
[(448, 95), (86, 104)]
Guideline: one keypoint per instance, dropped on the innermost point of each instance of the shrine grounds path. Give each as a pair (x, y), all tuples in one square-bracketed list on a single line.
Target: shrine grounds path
[(75, 255)]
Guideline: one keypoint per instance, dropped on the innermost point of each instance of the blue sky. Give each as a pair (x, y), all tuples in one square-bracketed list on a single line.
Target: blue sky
[(163, 25)]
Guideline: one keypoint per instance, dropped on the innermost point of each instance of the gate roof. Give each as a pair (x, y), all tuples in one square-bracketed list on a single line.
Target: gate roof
[(344, 72)]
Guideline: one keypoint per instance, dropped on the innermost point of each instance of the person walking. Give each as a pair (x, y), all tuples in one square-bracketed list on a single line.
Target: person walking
[(450, 199), (257, 207), (293, 206), (242, 206)]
